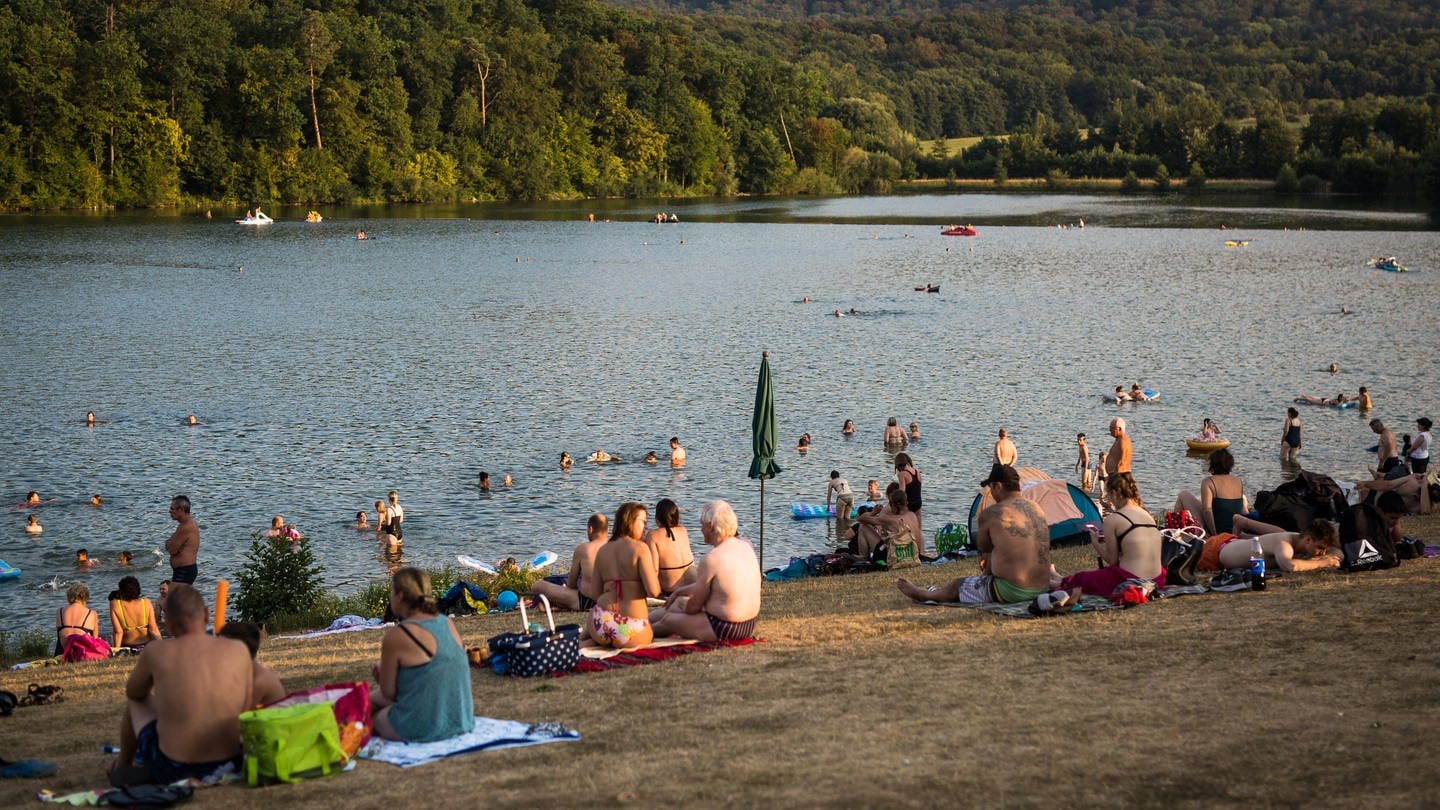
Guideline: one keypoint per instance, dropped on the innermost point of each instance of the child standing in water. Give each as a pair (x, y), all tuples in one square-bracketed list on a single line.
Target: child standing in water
[(1082, 461)]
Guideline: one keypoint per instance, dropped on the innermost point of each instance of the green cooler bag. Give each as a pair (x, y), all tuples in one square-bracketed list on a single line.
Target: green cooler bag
[(291, 743)]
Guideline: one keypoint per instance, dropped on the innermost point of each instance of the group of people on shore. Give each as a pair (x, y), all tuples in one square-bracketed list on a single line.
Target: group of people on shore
[(189, 688), (1013, 536), (716, 597)]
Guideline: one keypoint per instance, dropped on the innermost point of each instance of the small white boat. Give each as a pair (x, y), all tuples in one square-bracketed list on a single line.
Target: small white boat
[(258, 218)]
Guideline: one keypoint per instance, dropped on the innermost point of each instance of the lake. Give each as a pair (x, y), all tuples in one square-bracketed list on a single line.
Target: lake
[(327, 371)]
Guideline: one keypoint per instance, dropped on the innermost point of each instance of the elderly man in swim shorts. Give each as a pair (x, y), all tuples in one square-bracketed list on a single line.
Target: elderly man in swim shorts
[(723, 602), (184, 699), (184, 544), (582, 586), (1014, 543)]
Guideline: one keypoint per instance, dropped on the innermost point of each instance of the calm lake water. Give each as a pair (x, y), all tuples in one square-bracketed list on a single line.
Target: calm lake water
[(492, 338)]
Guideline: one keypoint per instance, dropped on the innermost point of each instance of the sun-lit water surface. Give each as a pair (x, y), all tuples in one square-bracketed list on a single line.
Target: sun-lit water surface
[(330, 371)]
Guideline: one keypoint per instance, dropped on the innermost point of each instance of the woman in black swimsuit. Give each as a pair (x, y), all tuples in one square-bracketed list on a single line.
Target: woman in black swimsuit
[(909, 479), (75, 617), (671, 545)]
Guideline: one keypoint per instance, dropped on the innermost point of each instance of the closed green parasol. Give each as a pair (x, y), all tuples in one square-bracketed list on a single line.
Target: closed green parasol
[(763, 429)]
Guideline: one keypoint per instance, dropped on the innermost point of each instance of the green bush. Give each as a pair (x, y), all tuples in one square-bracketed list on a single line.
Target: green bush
[(280, 578), (1287, 182), (1131, 183), (1196, 179), (1162, 178), (26, 645)]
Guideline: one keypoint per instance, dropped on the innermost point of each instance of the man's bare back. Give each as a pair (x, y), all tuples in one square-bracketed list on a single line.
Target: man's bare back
[(1015, 538), (196, 685)]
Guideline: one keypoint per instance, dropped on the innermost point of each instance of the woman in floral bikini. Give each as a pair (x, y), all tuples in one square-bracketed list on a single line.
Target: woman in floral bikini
[(627, 567)]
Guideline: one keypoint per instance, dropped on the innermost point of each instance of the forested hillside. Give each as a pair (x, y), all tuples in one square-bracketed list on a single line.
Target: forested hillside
[(155, 102)]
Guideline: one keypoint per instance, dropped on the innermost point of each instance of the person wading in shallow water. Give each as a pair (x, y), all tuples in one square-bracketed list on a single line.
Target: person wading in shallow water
[(184, 544)]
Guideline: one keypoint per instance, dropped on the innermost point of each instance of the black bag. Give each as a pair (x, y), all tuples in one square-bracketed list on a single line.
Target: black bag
[(1409, 549), (1365, 542), (1293, 504), (1180, 551)]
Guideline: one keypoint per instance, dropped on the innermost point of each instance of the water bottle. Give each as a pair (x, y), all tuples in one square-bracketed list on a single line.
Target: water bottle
[(1257, 565)]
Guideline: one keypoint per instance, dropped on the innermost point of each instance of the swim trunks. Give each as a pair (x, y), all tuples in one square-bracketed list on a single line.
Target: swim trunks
[(616, 628), (731, 631), (1210, 557), (185, 573), (986, 588), (163, 769)]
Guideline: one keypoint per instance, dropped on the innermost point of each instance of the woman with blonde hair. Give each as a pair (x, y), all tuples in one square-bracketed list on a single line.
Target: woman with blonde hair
[(76, 617), (626, 565), (423, 674)]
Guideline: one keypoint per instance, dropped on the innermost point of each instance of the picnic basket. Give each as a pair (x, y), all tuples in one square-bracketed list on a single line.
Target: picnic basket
[(530, 653)]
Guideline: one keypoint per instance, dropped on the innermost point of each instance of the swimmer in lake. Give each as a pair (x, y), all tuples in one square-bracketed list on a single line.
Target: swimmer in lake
[(191, 420), (650, 458), (839, 314), (362, 520), (95, 500), (1334, 368), (32, 525), (600, 457), (507, 480), (914, 431), (484, 483), (566, 462), (82, 559), (32, 498), (89, 417), (360, 234), (804, 444), (125, 558), (848, 429)]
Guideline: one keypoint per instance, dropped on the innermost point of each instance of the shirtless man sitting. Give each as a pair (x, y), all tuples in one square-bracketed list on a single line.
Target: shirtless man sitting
[(1014, 543), (582, 587), (888, 525), (1314, 549), (187, 691), (723, 602)]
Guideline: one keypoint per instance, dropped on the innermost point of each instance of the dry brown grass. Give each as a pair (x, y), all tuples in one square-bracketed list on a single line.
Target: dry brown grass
[(1320, 692)]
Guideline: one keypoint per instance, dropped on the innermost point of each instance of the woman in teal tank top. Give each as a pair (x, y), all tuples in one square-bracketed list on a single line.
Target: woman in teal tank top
[(423, 674)]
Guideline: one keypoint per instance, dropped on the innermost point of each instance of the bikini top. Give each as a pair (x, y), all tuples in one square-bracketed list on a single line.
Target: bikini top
[(125, 623), (669, 532), (82, 628), (1120, 538)]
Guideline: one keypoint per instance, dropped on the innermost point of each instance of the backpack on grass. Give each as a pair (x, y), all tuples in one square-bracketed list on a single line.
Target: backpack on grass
[(1365, 542)]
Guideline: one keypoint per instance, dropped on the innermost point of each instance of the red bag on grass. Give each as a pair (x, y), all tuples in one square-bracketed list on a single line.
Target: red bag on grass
[(352, 710)]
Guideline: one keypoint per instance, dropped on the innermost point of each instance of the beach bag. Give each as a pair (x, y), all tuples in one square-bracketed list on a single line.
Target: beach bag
[(1365, 542), (902, 551), (84, 647), (528, 654), (290, 743), (1180, 552), (951, 537), (351, 705)]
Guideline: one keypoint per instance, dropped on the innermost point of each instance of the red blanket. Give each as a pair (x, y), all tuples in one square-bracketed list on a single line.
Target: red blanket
[(649, 656)]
